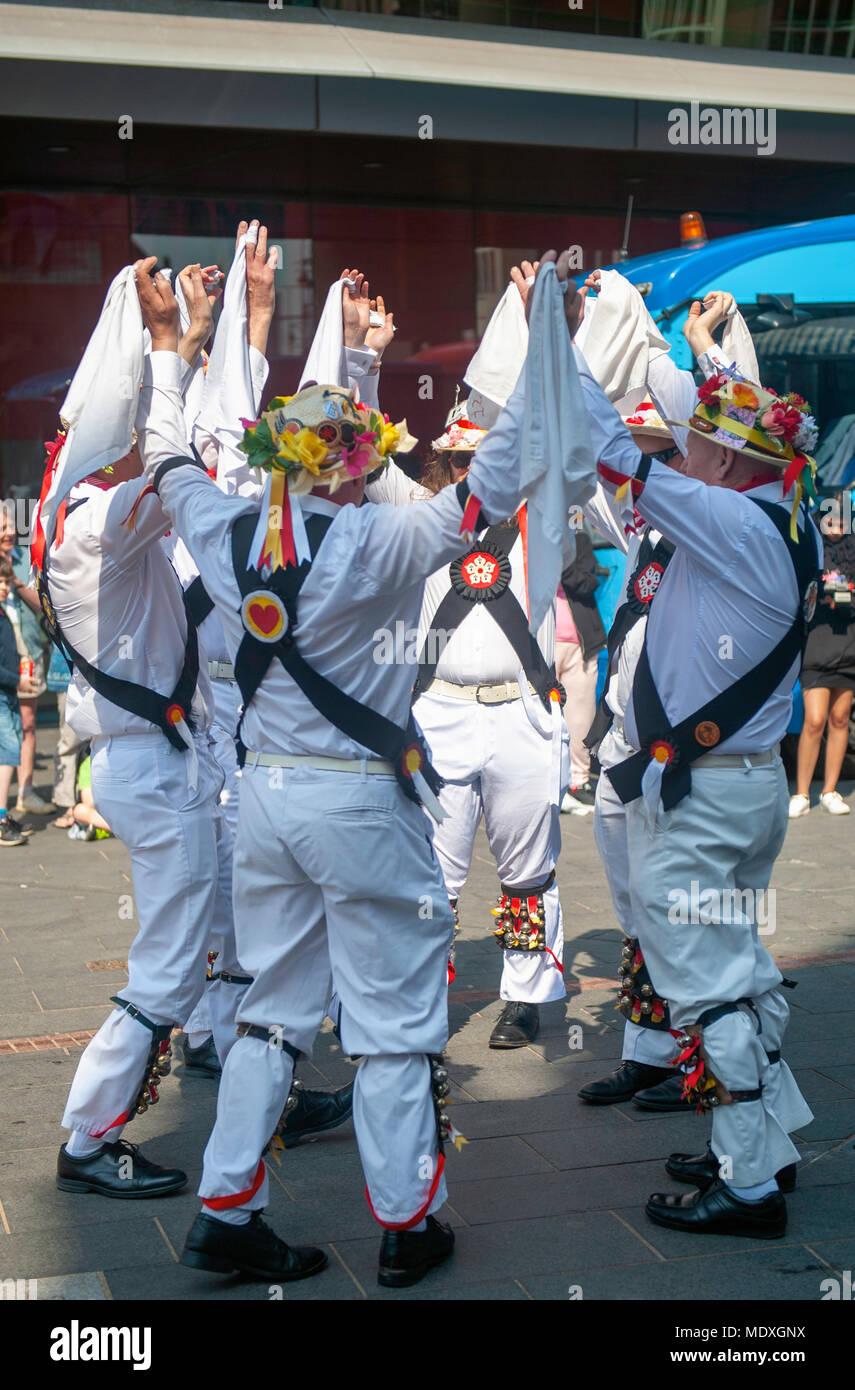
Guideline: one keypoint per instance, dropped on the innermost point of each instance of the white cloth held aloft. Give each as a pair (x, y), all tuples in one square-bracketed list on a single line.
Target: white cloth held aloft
[(492, 374), (737, 343), (557, 467), (227, 394), (325, 362), (619, 339), (102, 399)]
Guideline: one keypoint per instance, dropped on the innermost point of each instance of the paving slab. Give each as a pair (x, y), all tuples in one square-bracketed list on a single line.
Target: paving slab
[(547, 1195)]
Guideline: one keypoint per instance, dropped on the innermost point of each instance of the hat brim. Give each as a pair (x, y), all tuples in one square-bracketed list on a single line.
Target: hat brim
[(776, 460), (658, 430)]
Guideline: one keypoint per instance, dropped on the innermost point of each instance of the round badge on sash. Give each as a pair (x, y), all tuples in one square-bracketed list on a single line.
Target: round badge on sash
[(707, 734), (263, 615), (809, 600), (647, 582), (483, 573)]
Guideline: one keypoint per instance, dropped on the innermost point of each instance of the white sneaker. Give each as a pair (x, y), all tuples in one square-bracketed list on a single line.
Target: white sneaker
[(833, 803), (799, 806)]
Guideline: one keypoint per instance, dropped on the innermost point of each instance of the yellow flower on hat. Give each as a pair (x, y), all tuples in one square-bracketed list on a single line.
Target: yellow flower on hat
[(388, 439), (302, 447)]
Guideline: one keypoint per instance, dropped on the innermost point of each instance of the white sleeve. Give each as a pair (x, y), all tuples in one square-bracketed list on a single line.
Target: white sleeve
[(362, 373), (604, 514), (395, 486)]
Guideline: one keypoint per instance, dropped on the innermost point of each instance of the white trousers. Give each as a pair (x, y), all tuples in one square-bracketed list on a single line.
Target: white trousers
[(336, 881), (140, 785), (218, 1007), (652, 1046), (496, 764), (721, 839)]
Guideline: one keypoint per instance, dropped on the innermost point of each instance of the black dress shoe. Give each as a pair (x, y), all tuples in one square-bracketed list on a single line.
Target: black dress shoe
[(703, 1170), (668, 1095), (623, 1084), (117, 1170), (314, 1112), (202, 1060), (252, 1249), (717, 1212), (406, 1256), (518, 1024)]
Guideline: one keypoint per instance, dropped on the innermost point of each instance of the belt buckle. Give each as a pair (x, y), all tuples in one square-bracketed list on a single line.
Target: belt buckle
[(483, 685)]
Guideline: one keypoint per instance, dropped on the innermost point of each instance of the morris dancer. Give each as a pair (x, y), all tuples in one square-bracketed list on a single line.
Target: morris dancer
[(736, 594)]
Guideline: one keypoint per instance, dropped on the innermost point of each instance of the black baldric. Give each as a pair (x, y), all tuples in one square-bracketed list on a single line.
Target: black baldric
[(136, 699), (640, 592), (358, 722), (732, 708), (502, 605)]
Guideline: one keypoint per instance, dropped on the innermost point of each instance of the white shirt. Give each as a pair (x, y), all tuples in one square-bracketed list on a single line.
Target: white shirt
[(369, 573), (118, 598), (479, 652)]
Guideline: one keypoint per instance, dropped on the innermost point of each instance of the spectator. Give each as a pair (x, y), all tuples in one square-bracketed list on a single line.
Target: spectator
[(10, 714), (86, 823), (579, 636), (22, 608), (828, 672)]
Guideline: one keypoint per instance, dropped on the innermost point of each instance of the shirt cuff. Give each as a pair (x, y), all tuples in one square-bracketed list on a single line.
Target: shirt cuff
[(714, 360), (166, 370), (359, 361)]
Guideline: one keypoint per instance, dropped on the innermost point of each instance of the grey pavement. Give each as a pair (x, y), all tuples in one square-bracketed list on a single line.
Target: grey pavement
[(547, 1197)]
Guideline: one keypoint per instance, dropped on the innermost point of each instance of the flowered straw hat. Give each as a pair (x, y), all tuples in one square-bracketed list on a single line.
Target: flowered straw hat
[(320, 437), (463, 437), (645, 419), (779, 430)]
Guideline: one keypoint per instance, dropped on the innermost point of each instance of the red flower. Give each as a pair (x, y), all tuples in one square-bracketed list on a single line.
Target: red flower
[(781, 421), (709, 391)]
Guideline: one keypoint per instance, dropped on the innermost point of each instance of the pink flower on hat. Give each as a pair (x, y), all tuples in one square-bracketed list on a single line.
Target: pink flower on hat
[(781, 421)]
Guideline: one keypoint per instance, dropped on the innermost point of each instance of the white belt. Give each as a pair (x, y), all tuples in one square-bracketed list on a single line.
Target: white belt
[(737, 759), (221, 671), (484, 693), (375, 766)]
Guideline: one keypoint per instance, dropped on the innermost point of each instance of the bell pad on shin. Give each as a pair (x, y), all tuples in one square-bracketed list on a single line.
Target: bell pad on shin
[(638, 1000), (521, 924)]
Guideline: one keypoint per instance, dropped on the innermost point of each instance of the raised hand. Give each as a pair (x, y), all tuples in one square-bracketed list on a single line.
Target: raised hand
[(521, 275), (704, 317), (574, 299), (200, 307), (355, 309), (380, 338), (260, 291), (158, 305)]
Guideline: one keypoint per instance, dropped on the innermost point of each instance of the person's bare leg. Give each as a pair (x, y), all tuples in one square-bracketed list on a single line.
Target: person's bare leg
[(816, 713), (27, 765), (837, 738), (5, 784), (85, 814)]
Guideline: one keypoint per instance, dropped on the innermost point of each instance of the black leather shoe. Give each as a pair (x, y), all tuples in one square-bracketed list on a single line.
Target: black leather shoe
[(668, 1095), (702, 1171), (518, 1024), (717, 1212), (252, 1249), (406, 1256), (117, 1170), (202, 1060), (314, 1112), (623, 1084)]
